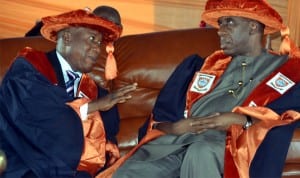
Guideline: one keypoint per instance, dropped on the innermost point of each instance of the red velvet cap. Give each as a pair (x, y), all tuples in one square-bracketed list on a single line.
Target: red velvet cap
[(258, 10), (79, 18)]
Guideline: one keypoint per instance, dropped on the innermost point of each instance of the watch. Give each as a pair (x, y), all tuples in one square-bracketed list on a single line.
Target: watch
[(248, 123), (154, 126)]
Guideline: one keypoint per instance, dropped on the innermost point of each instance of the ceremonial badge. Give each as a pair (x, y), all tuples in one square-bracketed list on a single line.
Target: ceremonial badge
[(252, 104), (280, 83), (202, 83)]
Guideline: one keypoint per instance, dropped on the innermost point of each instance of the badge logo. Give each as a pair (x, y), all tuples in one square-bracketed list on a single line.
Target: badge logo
[(252, 104), (280, 83), (202, 83)]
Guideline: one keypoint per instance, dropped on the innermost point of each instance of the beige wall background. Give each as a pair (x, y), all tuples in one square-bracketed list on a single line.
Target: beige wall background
[(138, 16)]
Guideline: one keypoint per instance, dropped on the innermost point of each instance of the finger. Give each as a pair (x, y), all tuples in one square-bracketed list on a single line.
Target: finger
[(123, 99), (201, 131), (205, 120), (211, 115), (204, 125), (111, 161), (113, 96), (131, 86), (125, 90), (205, 117), (200, 122)]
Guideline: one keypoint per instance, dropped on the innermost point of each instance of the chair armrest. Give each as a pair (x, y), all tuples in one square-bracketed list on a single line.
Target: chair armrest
[(293, 155)]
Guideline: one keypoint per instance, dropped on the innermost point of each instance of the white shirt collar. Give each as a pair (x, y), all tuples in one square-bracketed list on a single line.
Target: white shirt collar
[(65, 66)]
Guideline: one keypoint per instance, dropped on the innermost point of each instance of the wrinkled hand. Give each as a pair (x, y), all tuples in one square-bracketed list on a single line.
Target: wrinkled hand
[(118, 96), (218, 121)]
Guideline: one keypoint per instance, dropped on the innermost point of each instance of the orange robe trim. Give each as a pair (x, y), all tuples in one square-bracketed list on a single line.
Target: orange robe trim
[(93, 155), (39, 60), (96, 146), (241, 145), (215, 65)]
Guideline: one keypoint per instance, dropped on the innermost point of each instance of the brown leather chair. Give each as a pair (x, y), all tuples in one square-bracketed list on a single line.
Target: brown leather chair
[(147, 59)]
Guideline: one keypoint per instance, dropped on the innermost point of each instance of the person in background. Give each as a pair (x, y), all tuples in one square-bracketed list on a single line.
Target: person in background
[(108, 13), (55, 120), (35, 30), (222, 116)]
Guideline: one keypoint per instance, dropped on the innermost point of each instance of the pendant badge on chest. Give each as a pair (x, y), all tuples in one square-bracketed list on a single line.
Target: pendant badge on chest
[(202, 83), (280, 83)]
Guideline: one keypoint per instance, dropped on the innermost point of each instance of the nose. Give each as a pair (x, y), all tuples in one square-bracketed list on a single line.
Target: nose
[(221, 30), (96, 47)]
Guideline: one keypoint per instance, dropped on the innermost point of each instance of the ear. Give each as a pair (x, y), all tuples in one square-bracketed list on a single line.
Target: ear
[(67, 37), (253, 27)]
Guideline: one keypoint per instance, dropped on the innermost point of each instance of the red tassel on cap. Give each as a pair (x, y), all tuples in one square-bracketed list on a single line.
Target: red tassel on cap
[(111, 65), (287, 46)]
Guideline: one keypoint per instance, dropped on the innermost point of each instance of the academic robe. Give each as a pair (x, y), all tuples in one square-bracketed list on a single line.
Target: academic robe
[(40, 134), (171, 104), (264, 163)]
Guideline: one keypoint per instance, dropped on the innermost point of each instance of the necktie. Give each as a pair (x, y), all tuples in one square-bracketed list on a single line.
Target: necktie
[(70, 83)]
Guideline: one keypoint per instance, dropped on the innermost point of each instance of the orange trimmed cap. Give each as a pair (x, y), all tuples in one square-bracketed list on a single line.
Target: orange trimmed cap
[(258, 10), (80, 18)]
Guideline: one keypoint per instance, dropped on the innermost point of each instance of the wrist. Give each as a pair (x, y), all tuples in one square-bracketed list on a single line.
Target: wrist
[(155, 125), (163, 126), (248, 122)]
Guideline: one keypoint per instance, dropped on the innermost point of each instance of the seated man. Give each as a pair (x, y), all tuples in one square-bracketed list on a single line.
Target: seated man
[(190, 128), (49, 107)]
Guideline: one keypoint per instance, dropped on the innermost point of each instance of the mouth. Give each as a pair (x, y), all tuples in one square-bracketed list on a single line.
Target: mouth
[(93, 59), (225, 42)]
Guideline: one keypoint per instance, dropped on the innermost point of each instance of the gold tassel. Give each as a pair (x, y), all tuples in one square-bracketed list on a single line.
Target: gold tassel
[(285, 46), (111, 64)]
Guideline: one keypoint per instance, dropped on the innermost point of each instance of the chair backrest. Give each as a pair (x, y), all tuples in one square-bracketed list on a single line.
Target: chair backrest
[(149, 59), (10, 47)]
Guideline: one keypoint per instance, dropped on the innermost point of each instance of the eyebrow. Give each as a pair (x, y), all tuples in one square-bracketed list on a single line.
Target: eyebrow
[(226, 18)]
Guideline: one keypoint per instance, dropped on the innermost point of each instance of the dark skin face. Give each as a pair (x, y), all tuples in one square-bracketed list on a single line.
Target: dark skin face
[(82, 48), (234, 35)]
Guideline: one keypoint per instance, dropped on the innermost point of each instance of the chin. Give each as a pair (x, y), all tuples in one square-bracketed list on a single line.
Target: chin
[(86, 70), (227, 52)]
